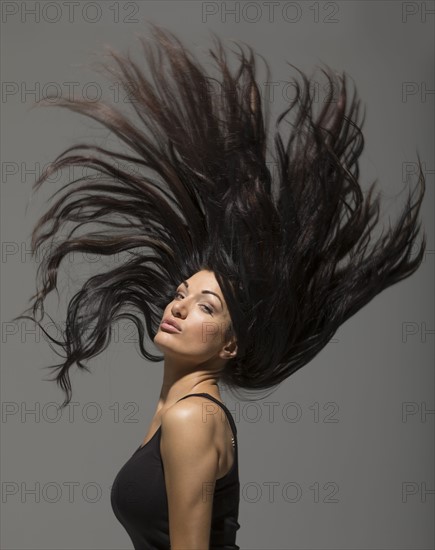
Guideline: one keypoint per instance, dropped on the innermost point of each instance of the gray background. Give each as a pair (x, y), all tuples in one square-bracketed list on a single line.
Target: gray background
[(330, 460)]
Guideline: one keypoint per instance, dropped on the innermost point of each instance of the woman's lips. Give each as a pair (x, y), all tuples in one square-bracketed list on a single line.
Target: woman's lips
[(169, 328)]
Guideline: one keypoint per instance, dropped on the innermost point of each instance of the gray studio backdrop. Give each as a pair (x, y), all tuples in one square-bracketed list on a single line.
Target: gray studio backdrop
[(341, 455)]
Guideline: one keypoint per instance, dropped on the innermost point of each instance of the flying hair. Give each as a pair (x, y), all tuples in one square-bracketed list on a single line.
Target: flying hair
[(194, 190)]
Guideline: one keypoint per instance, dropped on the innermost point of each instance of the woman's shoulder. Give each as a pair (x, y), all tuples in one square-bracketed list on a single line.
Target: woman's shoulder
[(189, 436), (191, 414)]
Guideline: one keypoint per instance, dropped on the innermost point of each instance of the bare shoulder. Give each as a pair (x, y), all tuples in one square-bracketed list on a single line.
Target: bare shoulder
[(192, 419)]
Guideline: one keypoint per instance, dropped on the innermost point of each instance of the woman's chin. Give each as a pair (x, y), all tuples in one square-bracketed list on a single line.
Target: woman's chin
[(161, 340)]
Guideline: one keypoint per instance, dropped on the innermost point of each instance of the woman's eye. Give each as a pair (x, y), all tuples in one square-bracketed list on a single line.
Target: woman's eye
[(205, 308)]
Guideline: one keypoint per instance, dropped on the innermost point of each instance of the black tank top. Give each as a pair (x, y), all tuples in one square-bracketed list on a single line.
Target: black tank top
[(139, 501)]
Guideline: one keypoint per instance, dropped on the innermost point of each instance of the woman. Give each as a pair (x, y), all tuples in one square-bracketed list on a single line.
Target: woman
[(281, 250), (183, 479)]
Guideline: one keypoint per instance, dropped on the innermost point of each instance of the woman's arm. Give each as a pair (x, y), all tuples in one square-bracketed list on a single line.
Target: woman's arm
[(190, 459)]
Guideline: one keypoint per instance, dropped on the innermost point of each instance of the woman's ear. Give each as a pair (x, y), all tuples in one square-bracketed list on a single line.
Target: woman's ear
[(229, 351)]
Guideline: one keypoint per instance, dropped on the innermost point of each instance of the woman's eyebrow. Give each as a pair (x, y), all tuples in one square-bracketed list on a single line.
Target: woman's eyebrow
[(186, 284)]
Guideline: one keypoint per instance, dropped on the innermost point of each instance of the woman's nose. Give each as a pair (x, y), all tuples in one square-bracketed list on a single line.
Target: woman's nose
[(178, 308)]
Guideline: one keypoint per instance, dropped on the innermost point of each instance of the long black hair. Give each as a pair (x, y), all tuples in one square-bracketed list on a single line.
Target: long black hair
[(289, 247)]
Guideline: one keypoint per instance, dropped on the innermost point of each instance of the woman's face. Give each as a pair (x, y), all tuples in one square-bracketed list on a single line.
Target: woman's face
[(199, 309)]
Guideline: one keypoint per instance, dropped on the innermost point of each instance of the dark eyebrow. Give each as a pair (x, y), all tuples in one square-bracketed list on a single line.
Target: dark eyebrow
[(186, 284)]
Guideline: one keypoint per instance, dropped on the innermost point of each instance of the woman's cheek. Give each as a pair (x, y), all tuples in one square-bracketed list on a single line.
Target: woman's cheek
[(209, 332)]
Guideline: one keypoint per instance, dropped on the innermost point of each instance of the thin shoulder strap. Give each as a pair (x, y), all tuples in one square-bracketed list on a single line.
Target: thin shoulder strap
[(227, 412)]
